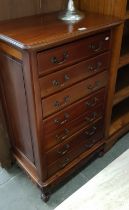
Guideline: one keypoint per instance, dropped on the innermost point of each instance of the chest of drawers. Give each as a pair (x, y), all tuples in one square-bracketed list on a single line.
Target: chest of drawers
[(54, 90)]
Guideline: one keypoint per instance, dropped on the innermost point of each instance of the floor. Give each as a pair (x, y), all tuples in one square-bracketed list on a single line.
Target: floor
[(17, 191)]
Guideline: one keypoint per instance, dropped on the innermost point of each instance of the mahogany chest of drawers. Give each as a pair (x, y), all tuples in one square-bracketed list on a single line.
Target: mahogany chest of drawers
[(54, 89)]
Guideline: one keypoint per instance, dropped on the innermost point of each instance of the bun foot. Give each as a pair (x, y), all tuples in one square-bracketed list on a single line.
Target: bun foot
[(44, 197), (101, 153)]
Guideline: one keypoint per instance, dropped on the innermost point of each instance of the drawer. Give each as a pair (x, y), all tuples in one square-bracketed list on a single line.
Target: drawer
[(59, 57), (64, 78), (62, 155), (66, 97), (68, 114), (60, 135)]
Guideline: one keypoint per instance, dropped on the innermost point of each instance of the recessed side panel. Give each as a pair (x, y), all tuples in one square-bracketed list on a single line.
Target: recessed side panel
[(15, 97)]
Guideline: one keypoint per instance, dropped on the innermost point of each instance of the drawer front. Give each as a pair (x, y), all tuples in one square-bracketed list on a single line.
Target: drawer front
[(67, 54), (66, 97), (62, 155), (67, 115), (64, 78), (60, 135)]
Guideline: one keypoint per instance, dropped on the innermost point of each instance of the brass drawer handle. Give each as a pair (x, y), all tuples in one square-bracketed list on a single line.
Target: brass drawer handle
[(58, 84), (66, 161), (55, 60), (91, 118), (65, 135), (94, 87), (95, 68), (66, 117), (96, 48), (57, 104), (66, 77), (91, 131), (65, 150), (88, 146), (66, 99), (92, 102)]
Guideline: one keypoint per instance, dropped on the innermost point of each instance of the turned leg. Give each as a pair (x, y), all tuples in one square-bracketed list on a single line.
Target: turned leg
[(45, 194), (101, 153)]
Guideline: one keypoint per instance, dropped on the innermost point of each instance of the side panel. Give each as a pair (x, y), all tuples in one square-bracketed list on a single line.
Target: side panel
[(5, 156), (15, 98)]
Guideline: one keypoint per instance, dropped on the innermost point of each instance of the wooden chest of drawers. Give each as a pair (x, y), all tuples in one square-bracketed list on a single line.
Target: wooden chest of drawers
[(54, 90)]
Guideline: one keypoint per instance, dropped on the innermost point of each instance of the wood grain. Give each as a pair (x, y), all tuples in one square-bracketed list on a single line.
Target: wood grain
[(17, 114), (107, 7), (5, 159), (36, 31), (23, 8), (49, 6), (10, 50), (23, 99), (18, 8)]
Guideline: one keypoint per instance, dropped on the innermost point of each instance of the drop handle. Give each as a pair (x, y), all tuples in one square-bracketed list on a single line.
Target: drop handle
[(65, 162), (91, 131), (58, 84), (91, 118), (66, 77), (95, 68), (92, 102), (55, 60), (64, 136), (58, 104), (96, 47), (94, 87), (59, 122), (65, 150), (88, 146), (91, 144)]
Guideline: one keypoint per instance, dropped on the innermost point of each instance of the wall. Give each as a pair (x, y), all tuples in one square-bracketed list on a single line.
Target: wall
[(107, 7), (19, 8)]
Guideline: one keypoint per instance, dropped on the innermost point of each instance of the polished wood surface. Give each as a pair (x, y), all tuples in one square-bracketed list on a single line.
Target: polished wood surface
[(24, 32), (13, 82), (86, 139), (120, 57), (29, 112), (117, 38), (62, 56), (59, 80), (70, 113), (5, 148), (60, 135), (118, 9), (68, 96), (10, 50), (82, 137)]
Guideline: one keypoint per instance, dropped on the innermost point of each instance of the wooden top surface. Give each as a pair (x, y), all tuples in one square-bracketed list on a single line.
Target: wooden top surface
[(47, 30)]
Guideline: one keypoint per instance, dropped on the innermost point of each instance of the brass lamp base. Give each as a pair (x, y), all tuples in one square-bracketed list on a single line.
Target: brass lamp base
[(71, 14)]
